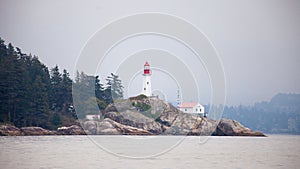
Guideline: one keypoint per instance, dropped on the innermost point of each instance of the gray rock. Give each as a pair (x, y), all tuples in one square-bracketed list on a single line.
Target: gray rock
[(9, 130), (135, 119), (228, 127), (71, 130), (206, 127), (107, 127), (110, 127), (129, 130), (168, 117), (35, 131), (104, 127), (189, 124)]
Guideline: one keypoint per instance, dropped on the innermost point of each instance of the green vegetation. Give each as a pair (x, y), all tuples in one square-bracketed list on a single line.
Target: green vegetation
[(91, 95), (139, 97), (142, 106), (31, 95), (56, 120)]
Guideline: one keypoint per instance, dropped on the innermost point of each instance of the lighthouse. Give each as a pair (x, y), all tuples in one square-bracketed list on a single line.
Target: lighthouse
[(147, 80)]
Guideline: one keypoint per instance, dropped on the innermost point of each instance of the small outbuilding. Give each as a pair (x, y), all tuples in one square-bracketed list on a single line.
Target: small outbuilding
[(192, 107)]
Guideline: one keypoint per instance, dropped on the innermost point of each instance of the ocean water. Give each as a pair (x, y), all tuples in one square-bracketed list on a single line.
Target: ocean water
[(143, 152)]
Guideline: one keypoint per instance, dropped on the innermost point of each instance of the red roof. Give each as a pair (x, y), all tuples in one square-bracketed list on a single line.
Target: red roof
[(187, 104), (146, 64)]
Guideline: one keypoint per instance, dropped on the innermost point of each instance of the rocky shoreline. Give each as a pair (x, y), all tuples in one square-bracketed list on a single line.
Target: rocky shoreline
[(125, 118), (10, 130), (226, 127)]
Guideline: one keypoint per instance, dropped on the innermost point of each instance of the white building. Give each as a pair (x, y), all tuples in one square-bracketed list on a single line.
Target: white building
[(93, 116), (147, 80), (192, 107)]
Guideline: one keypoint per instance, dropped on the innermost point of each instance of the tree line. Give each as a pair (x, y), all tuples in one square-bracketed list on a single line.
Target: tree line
[(33, 95), (279, 115)]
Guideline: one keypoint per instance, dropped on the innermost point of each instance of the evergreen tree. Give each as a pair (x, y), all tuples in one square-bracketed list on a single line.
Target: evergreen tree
[(56, 100), (27, 92), (114, 87), (10, 84), (24, 92), (3, 48), (99, 92), (3, 105), (66, 90), (77, 78), (84, 92), (39, 103), (56, 120)]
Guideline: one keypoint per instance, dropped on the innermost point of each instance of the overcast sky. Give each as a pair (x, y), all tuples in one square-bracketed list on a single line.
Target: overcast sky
[(258, 41)]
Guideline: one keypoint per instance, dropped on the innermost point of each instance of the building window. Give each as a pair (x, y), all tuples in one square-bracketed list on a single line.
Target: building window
[(144, 88), (185, 109), (200, 110), (196, 109), (147, 82)]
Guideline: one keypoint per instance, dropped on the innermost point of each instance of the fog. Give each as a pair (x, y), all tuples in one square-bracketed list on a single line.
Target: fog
[(258, 42)]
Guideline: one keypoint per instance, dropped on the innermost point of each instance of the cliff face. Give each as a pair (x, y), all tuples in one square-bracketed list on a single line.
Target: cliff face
[(143, 116)]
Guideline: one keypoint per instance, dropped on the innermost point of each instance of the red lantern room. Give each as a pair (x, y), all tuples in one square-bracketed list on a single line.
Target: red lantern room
[(147, 69)]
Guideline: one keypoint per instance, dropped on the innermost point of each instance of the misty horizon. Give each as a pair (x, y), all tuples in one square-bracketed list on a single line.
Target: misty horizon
[(257, 42)]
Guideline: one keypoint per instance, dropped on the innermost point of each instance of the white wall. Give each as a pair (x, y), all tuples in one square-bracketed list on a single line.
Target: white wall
[(92, 117), (147, 85), (187, 110), (198, 109)]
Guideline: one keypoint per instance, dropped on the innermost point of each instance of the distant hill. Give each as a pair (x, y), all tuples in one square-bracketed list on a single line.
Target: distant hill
[(282, 100), (279, 115)]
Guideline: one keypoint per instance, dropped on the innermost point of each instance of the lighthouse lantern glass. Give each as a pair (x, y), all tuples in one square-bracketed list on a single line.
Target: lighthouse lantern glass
[(146, 69)]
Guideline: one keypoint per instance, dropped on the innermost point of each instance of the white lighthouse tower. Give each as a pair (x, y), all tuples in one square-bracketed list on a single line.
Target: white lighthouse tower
[(147, 80)]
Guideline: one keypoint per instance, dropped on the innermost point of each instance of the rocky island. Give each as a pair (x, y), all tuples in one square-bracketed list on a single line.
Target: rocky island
[(141, 116)]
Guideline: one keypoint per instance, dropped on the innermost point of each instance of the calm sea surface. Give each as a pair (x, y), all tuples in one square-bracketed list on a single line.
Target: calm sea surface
[(275, 151)]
